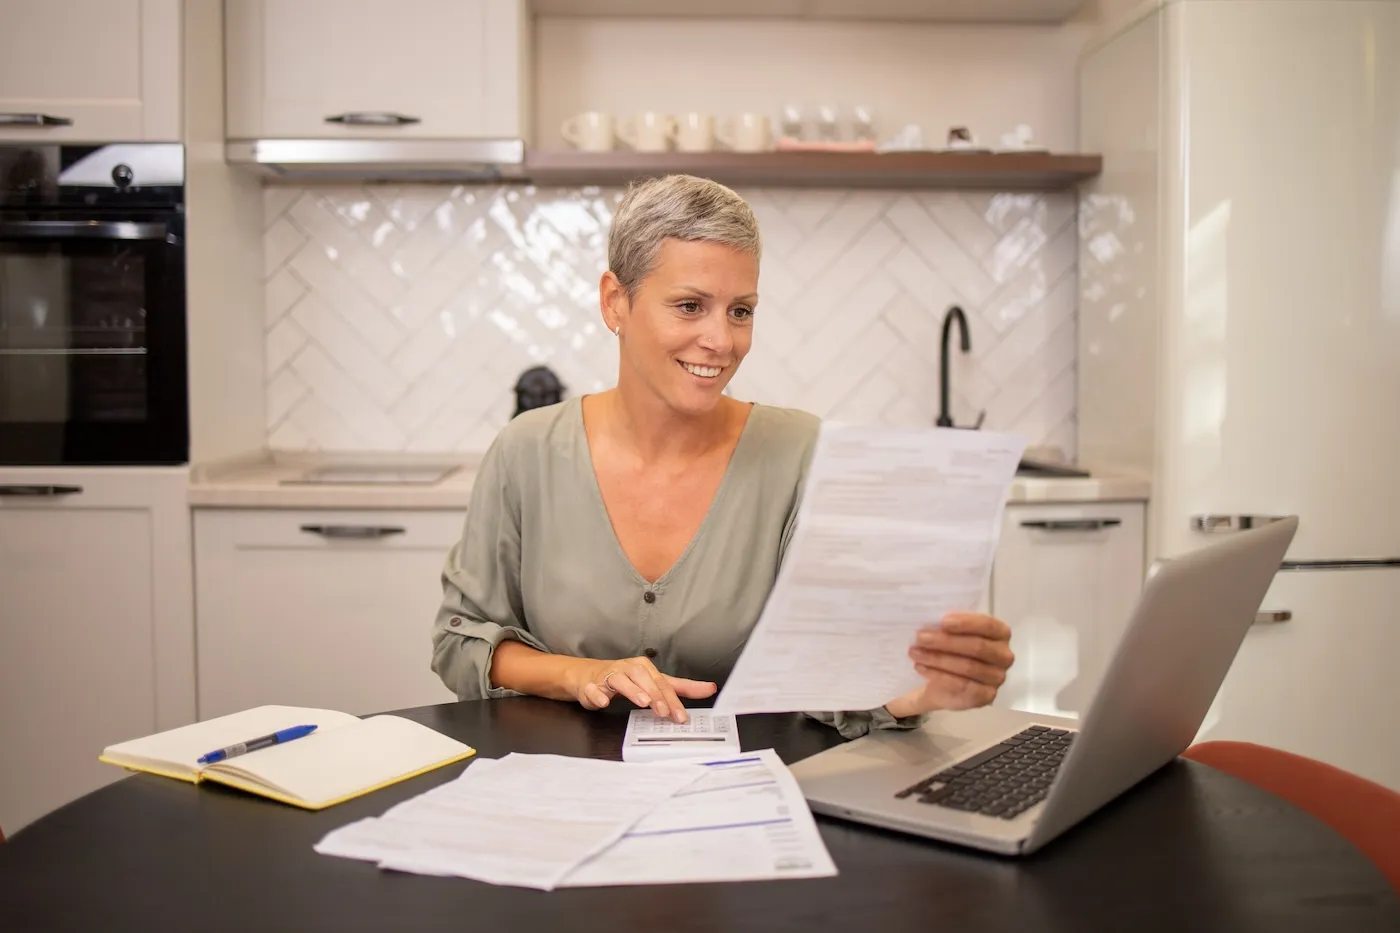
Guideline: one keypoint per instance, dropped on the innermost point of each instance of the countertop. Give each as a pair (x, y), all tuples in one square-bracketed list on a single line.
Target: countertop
[(258, 481)]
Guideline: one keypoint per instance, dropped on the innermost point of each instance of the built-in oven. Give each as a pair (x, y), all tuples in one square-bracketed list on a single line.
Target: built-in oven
[(92, 305)]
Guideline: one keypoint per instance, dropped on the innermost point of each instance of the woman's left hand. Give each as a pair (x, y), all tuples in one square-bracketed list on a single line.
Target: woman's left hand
[(963, 660)]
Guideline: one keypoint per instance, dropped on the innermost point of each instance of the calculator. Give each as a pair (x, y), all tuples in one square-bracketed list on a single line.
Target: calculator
[(703, 735)]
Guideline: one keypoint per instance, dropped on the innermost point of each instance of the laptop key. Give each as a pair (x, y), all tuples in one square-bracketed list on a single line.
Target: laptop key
[(936, 795)]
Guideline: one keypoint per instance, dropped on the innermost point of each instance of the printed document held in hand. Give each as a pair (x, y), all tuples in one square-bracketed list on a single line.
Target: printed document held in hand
[(896, 528), (525, 820)]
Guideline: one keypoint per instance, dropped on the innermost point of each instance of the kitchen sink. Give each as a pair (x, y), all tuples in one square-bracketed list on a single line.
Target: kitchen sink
[(1042, 468)]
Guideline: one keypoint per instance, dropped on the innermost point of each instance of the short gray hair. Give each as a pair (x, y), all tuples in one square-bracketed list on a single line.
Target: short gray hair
[(680, 207)]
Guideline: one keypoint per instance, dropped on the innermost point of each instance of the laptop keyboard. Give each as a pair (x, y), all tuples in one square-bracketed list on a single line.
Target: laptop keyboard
[(1003, 781)]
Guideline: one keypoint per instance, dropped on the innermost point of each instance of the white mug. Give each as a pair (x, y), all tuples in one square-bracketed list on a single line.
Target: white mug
[(648, 131), (695, 132), (747, 132), (591, 131)]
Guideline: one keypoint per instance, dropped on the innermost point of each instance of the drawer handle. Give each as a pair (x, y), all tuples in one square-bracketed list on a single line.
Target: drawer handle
[(33, 119), (1073, 524), (1272, 616), (372, 118), (39, 492), (353, 532)]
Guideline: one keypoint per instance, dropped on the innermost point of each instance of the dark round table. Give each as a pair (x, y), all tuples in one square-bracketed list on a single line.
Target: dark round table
[(1188, 849)]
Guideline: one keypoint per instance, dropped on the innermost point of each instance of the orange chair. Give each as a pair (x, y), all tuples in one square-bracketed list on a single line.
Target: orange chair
[(1362, 811)]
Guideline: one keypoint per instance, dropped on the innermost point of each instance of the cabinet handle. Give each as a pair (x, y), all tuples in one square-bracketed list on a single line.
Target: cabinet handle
[(1224, 524), (33, 119), (1344, 563), (83, 230), (353, 532), (1272, 616), (1073, 524), (371, 118), (39, 492)]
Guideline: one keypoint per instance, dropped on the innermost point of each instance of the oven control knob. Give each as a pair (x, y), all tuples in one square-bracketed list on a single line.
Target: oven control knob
[(122, 175)]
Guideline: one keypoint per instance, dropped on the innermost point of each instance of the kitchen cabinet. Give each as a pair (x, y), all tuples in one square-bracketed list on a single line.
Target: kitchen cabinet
[(322, 608), (980, 11), (366, 69), (96, 627), (90, 70), (1066, 579)]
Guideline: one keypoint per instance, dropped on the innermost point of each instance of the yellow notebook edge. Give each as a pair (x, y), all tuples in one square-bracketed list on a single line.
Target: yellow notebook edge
[(261, 791), (147, 769)]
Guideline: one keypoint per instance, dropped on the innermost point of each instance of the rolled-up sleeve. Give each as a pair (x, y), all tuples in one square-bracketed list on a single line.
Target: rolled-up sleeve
[(481, 597)]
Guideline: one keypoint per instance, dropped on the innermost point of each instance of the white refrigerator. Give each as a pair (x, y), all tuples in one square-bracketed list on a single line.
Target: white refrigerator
[(1240, 333)]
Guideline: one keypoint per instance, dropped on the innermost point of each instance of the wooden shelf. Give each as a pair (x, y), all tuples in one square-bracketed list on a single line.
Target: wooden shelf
[(999, 171)]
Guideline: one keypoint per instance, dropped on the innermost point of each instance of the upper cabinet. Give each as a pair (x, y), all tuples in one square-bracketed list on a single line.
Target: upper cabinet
[(376, 69), (992, 11), (90, 70)]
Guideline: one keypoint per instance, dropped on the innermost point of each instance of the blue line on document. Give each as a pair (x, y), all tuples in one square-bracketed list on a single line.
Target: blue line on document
[(732, 761), (715, 790), (696, 829)]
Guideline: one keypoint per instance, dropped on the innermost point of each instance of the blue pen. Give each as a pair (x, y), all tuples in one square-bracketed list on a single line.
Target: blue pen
[(252, 745)]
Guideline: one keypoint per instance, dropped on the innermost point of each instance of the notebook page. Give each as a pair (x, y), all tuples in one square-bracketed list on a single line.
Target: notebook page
[(179, 749), (328, 766)]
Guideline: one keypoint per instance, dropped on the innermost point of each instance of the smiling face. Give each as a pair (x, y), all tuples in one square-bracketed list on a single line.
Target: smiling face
[(687, 325)]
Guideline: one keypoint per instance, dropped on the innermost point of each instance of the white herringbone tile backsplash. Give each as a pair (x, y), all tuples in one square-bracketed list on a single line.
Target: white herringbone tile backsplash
[(399, 317)]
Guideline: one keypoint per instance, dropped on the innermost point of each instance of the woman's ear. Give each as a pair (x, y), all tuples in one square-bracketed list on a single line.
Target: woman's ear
[(612, 299)]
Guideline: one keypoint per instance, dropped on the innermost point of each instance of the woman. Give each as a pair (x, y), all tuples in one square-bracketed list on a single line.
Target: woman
[(625, 542)]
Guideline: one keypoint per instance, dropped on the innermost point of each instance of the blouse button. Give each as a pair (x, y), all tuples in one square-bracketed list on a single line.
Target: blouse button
[(649, 596), (650, 652), (455, 621)]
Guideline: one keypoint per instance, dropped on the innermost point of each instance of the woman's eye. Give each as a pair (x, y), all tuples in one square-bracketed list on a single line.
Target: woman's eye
[(742, 313), (689, 307)]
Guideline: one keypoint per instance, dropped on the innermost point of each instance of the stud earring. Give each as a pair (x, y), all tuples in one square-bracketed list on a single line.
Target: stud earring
[(617, 331)]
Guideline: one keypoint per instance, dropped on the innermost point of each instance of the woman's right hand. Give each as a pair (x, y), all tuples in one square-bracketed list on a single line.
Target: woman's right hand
[(639, 681)]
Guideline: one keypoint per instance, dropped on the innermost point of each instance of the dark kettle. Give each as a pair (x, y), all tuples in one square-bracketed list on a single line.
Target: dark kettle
[(536, 388)]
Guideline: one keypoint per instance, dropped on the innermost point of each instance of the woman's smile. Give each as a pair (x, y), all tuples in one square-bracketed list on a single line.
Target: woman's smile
[(706, 373)]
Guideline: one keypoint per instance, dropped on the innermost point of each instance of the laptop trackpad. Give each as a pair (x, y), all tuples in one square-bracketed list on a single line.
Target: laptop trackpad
[(894, 759)]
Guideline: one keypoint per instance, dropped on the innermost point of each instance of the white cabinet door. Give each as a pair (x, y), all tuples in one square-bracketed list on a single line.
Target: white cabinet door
[(1066, 579), (106, 70), (91, 608), (404, 69), (330, 609)]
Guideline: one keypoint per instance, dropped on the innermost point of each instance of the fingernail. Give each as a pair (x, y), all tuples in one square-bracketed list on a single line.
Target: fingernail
[(646, 700), (681, 716), (926, 638), (661, 709)]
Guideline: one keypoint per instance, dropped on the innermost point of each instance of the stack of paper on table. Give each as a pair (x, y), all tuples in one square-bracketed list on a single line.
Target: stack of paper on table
[(546, 821), (345, 757)]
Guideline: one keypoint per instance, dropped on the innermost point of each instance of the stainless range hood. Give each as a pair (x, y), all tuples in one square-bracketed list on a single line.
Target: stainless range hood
[(381, 159)]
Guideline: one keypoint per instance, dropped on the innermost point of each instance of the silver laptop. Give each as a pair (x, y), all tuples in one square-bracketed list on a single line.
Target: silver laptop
[(1008, 781)]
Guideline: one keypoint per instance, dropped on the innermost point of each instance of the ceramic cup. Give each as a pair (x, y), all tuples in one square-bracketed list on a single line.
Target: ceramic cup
[(648, 131), (695, 132), (591, 131), (746, 132)]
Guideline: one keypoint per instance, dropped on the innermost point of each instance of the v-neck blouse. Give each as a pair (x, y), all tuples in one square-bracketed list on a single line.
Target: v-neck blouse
[(539, 560)]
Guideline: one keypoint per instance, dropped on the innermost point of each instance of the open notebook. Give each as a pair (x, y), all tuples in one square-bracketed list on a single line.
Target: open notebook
[(344, 758)]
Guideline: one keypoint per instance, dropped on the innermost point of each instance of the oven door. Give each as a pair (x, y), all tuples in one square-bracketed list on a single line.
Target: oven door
[(92, 340)]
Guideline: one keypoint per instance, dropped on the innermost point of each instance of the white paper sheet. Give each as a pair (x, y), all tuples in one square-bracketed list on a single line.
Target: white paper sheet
[(746, 820), (897, 527), (523, 820)]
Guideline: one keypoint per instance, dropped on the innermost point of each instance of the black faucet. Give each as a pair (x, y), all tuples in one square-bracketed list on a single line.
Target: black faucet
[(954, 314)]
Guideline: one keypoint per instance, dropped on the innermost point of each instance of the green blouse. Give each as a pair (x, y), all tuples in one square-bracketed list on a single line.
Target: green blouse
[(539, 562)]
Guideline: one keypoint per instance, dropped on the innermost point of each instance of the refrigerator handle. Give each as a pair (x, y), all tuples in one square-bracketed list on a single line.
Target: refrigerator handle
[(1224, 524)]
